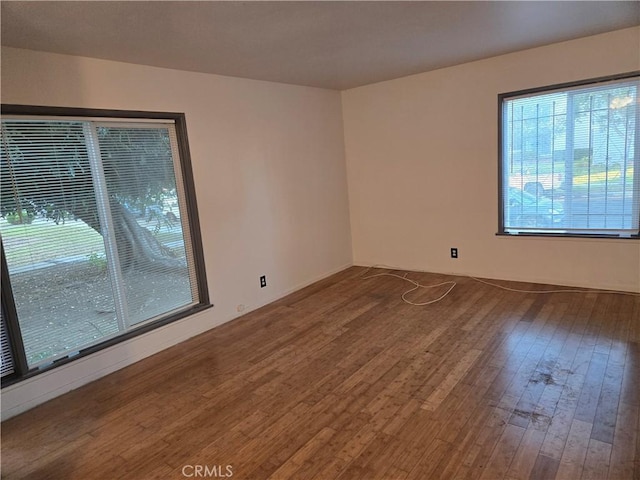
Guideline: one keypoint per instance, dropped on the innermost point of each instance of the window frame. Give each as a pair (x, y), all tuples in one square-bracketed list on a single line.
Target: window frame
[(21, 370), (537, 90)]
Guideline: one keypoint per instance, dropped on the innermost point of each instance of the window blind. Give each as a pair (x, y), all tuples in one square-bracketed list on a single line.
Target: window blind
[(570, 160), (95, 230), (6, 359)]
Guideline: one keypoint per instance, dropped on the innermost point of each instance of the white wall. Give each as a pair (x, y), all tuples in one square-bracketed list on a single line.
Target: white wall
[(270, 177), (422, 161)]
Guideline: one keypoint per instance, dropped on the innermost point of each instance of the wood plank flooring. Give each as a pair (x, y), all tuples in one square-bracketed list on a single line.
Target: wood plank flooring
[(342, 380)]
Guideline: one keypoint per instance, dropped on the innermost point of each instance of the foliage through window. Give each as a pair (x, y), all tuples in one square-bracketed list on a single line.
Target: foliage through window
[(570, 161), (99, 230)]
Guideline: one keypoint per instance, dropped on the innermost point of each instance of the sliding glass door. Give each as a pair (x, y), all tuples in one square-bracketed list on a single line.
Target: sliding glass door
[(95, 230)]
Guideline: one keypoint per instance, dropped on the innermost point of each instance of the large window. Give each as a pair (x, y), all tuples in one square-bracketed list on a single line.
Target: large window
[(99, 231), (570, 159)]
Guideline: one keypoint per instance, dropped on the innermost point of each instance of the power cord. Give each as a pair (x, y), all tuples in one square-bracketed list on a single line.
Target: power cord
[(586, 290), (418, 285)]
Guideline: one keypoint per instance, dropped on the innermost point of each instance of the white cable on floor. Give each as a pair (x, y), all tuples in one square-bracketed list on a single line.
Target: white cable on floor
[(418, 285), (585, 290)]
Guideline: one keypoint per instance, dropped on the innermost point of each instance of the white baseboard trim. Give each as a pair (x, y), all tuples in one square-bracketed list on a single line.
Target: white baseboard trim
[(300, 286), (512, 278)]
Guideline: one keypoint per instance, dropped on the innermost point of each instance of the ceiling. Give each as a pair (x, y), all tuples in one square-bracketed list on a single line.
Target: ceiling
[(335, 45)]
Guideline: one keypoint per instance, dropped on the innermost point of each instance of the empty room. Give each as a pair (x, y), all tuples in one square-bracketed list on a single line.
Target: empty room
[(320, 240)]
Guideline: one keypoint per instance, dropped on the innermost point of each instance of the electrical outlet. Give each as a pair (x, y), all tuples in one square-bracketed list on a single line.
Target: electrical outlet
[(263, 281), (454, 253)]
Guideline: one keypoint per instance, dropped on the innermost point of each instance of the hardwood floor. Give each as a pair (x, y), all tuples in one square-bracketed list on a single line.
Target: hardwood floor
[(343, 380)]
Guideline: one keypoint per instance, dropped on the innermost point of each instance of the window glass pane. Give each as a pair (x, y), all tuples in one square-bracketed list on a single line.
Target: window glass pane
[(50, 231), (147, 215), (570, 161)]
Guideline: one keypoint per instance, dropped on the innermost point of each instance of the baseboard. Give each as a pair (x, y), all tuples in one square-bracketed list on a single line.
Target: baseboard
[(304, 284), (511, 278)]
